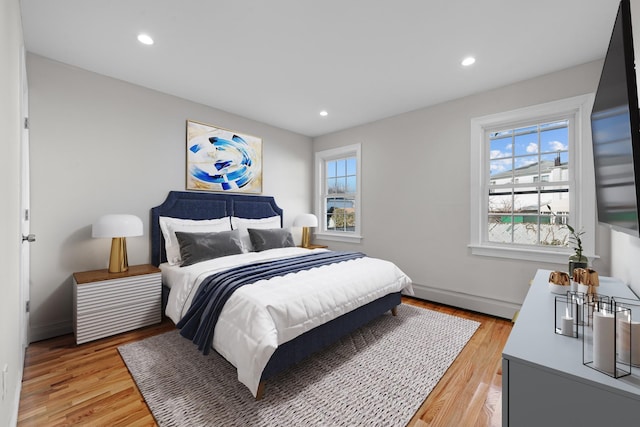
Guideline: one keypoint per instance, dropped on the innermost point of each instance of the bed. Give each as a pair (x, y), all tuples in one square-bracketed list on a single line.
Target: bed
[(280, 345)]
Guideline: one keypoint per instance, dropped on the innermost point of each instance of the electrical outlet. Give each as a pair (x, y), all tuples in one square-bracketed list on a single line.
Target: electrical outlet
[(3, 386)]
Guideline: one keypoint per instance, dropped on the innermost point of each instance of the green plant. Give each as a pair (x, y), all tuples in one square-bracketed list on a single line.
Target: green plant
[(575, 240)]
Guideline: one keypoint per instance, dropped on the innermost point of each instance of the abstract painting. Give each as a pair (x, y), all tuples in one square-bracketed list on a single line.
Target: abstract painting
[(223, 160)]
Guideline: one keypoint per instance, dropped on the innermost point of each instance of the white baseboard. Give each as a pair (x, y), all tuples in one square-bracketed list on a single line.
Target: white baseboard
[(493, 307), (43, 332)]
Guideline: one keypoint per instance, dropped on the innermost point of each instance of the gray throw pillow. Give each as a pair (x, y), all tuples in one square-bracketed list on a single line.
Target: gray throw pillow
[(272, 238), (196, 247)]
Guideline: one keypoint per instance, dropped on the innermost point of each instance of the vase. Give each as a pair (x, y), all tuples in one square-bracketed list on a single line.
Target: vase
[(577, 261)]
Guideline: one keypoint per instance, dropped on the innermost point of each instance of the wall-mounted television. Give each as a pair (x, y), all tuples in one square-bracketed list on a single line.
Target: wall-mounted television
[(615, 126)]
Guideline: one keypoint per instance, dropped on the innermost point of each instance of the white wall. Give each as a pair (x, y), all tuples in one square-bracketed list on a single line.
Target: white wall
[(10, 112), (100, 145), (625, 254), (415, 194)]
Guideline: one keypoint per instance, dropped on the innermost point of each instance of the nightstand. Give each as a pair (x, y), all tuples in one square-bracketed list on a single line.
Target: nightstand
[(312, 246), (106, 303)]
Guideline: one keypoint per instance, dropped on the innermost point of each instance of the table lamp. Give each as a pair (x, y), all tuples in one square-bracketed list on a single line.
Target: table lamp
[(118, 227), (305, 221)]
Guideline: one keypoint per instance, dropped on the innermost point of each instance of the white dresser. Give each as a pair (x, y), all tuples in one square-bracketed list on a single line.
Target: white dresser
[(106, 303), (544, 382)]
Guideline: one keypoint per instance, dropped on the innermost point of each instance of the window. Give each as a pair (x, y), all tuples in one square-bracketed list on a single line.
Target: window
[(531, 183), (338, 193), (523, 213)]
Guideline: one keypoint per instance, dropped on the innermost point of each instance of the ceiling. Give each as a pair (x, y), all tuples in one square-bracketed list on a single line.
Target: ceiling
[(283, 61)]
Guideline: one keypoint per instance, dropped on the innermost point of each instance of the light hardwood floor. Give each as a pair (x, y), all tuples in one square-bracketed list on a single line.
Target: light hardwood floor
[(68, 385)]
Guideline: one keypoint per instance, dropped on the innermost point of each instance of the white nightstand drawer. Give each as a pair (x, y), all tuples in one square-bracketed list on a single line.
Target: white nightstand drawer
[(96, 325), (100, 295)]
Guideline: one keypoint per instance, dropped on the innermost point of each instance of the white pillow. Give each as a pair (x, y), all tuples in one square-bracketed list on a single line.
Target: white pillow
[(243, 224), (169, 226)]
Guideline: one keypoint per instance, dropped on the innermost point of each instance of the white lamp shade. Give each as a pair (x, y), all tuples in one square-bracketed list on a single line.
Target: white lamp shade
[(117, 225), (306, 220)]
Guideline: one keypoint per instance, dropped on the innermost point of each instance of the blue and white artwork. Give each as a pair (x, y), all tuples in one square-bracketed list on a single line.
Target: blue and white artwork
[(223, 160)]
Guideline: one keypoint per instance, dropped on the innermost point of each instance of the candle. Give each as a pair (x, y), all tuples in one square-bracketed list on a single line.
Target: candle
[(567, 324), (603, 342), (629, 340)]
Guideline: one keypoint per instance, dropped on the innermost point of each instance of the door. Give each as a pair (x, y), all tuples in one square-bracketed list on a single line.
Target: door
[(25, 213)]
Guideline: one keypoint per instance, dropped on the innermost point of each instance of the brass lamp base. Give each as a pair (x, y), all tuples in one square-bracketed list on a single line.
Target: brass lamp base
[(306, 237), (118, 262)]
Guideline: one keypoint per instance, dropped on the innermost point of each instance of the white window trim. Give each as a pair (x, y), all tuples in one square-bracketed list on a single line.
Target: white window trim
[(320, 158), (583, 214)]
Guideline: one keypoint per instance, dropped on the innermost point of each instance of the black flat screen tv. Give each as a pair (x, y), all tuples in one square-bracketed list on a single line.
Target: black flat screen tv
[(615, 126)]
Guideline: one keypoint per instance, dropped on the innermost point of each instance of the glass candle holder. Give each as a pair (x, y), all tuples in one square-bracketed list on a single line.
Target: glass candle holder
[(628, 333), (601, 338)]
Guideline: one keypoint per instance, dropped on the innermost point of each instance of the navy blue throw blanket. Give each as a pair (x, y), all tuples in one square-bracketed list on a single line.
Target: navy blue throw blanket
[(214, 291)]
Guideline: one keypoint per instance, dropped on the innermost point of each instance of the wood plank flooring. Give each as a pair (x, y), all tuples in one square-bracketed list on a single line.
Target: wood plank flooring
[(69, 385), (470, 392)]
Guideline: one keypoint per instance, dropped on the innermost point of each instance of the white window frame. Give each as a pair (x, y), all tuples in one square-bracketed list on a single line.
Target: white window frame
[(321, 157), (581, 177)]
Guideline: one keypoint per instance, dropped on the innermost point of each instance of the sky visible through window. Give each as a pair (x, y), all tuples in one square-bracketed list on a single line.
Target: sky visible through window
[(516, 148), (341, 175)]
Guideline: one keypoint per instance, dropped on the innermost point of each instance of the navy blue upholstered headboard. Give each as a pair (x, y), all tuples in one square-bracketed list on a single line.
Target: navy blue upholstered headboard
[(195, 205)]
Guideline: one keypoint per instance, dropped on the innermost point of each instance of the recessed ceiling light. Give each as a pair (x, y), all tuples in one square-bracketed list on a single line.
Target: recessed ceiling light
[(324, 113), (145, 39), (469, 60)]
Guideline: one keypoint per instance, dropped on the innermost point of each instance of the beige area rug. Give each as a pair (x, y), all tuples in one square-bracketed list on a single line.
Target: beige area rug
[(377, 376)]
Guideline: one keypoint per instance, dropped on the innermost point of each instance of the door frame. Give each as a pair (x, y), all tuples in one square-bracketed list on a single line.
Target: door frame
[(25, 213)]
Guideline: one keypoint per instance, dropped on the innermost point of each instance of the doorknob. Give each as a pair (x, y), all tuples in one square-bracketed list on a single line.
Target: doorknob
[(29, 238)]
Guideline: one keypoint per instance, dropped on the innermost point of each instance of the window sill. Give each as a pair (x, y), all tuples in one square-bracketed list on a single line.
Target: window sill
[(554, 257), (336, 237)]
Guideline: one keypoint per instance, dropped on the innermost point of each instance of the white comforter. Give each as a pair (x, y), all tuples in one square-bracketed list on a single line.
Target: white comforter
[(260, 316)]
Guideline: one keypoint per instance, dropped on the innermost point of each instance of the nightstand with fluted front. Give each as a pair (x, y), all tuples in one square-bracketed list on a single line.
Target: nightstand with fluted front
[(106, 304)]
